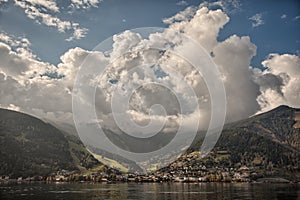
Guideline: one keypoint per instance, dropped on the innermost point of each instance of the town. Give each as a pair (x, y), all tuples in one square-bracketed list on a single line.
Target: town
[(178, 171)]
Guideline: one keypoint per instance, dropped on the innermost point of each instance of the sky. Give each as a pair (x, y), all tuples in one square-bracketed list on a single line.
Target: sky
[(272, 25), (255, 45)]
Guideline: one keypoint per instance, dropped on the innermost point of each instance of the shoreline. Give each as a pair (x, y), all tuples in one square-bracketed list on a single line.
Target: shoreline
[(259, 181)]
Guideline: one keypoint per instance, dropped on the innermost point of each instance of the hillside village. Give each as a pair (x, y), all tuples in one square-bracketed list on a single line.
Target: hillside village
[(262, 148), (179, 171)]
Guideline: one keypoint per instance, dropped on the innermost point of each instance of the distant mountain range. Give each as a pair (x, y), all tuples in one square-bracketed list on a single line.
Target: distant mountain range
[(269, 143)]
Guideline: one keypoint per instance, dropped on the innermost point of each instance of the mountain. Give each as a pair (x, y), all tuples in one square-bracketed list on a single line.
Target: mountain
[(109, 159), (268, 144), (113, 160), (29, 147)]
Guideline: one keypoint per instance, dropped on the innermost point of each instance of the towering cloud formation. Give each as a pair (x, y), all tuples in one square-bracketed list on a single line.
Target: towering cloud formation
[(42, 89), (280, 82)]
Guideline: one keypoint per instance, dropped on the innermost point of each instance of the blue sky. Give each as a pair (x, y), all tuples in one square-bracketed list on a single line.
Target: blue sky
[(279, 31)]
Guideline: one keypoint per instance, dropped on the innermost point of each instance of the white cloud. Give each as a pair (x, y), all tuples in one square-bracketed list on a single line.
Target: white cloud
[(20, 66), (25, 83), (13, 41), (283, 16), (20, 44), (204, 26), (85, 4), (47, 4), (257, 20), (228, 6), (280, 82), (182, 3), (233, 56), (184, 15), (44, 12), (124, 42), (296, 18), (78, 34)]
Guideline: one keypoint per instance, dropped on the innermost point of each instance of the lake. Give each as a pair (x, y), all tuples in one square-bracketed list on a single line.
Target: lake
[(149, 191)]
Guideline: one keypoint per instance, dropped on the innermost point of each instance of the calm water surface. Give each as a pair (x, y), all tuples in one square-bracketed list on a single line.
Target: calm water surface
[(208, 191)]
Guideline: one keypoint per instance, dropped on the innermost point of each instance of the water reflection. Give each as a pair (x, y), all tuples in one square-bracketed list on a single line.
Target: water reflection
[(149, 191)]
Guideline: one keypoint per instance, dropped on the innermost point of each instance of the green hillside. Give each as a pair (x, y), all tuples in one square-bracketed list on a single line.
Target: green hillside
[(29, 147), (268, 144)]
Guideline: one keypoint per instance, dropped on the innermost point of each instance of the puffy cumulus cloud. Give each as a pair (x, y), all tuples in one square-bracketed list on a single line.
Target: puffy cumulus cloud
[(21, 66), (243, 84), (37, 87), (171, 70), (123, 42), (257, 20), (70, 62), (133, 66), (233, 56), (280, 82), (204, 26)]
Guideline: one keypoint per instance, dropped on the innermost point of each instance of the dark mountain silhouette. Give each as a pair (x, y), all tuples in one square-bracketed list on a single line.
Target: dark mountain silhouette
[(29, 147)]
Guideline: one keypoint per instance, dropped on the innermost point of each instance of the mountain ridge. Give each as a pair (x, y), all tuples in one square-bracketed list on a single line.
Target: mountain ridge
[(268, 142), (30, 146)]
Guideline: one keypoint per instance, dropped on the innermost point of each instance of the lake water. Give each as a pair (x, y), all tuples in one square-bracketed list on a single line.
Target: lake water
[(151, 191)]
